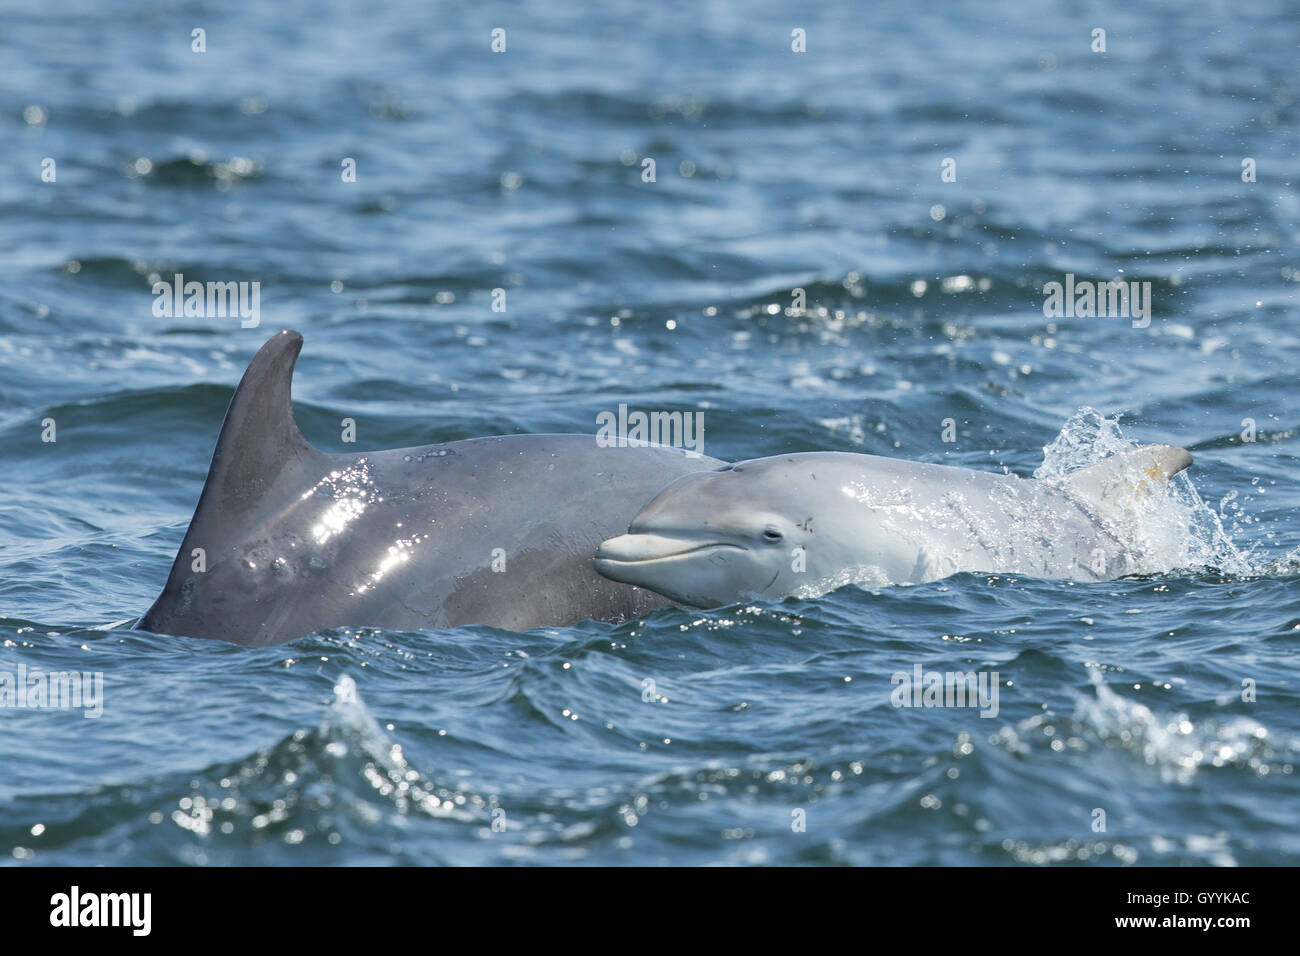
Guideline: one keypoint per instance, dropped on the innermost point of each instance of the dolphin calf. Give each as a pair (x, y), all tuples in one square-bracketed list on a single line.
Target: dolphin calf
[(287, 539), (804, 524)]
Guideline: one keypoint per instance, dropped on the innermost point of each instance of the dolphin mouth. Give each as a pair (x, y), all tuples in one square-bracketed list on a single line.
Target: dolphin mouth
[(632, 549)]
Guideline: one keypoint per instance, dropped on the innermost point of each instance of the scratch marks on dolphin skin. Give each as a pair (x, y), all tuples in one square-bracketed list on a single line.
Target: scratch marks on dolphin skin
[(431, 454), (187, 595)]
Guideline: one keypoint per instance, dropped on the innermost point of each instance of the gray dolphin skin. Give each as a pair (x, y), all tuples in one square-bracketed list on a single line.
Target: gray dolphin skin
[(804, 524), (287, 540)]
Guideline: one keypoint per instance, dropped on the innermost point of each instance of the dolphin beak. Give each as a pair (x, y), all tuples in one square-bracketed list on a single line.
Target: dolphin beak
[(632, 548), (624, 558), (658, 562)]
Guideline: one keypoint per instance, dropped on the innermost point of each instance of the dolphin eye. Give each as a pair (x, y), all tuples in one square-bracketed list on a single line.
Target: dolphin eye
[(772, 535)]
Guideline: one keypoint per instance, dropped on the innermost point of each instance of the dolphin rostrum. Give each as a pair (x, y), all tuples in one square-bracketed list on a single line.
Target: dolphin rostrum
[(803, 524), (499, 531)]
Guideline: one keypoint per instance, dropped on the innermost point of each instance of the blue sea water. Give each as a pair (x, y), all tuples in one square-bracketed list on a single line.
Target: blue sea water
[(767, 735)]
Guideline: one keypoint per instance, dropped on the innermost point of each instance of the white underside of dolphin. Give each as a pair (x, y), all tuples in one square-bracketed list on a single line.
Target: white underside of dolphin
[(806, 523)]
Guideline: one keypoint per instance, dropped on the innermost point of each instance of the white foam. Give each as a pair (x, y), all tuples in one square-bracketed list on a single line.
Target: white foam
[(1176, 529)]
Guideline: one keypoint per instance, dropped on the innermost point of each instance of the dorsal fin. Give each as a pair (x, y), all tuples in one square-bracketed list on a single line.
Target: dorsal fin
[(1115, 487), (259, 441), (259, 437)]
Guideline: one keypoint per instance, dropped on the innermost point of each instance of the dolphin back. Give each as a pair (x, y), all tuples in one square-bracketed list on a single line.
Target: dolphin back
[(498, 531)]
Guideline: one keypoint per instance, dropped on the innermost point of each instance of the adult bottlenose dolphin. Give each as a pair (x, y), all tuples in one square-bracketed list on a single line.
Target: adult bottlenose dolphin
[(803, 524), (287, 540)]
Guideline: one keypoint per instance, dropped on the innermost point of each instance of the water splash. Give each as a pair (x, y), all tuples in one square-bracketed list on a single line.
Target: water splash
[(1283, 566), (314, 787), (1177, 529), (1176, 746), (865, 576), (355, 741)]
